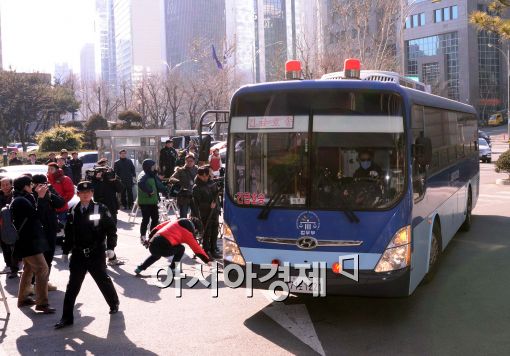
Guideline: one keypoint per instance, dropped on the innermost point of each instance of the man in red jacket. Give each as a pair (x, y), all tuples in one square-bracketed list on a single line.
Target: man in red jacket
[(64, 187), (167, 239)]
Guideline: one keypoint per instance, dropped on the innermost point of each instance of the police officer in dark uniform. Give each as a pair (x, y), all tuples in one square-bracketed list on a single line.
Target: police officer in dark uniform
[(88, 225)]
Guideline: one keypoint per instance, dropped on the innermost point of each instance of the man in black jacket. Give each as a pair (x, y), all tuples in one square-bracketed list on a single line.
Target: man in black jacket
[(13, 159), (106, 186), (89, 225), (205, 207), (47, 201), (76, 165), (62, 164), (125, 169), (30, 246), (167, 158)]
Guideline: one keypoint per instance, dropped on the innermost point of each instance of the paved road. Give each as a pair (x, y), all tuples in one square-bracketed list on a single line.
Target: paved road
[(465, 310)]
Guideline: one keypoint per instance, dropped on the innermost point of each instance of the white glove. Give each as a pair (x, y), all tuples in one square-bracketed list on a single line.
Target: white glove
[(110, 254), (65, 258)]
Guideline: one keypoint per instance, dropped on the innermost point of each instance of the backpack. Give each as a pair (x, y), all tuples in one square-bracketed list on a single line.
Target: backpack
[(8, 231)]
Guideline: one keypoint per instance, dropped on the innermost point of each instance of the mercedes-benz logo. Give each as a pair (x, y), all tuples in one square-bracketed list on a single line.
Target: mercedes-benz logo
[(306, 243)]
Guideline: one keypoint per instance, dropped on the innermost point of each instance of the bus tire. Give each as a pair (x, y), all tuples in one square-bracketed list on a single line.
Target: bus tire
[(466, 226), (435, 253)]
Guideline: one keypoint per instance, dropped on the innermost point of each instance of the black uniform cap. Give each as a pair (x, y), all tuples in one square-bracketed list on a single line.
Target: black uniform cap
[(84, 186)]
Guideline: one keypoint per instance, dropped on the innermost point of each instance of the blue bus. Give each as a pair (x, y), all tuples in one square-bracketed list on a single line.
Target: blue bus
[(320, 169)]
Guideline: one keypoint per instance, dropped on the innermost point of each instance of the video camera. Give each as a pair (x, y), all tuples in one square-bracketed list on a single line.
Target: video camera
[(107, 173), (220, 183)]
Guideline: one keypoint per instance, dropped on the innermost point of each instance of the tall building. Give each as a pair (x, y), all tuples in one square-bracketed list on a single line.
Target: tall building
[(87, 64), (266, 34), (105, 61), (193, 26), (443, 50), (62, 72), (139, 39)]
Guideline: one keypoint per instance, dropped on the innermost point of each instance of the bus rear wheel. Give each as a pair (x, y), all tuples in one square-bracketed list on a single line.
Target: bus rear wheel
[(435, 254), (466, 226)]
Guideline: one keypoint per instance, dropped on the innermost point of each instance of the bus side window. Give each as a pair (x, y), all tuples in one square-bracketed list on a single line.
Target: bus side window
[(418, 130)]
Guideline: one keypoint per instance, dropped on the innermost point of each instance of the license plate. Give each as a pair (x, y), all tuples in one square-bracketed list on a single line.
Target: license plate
[(302, 288)]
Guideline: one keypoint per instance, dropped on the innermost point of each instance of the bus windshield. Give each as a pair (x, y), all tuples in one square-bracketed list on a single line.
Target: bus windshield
[(345, 153)]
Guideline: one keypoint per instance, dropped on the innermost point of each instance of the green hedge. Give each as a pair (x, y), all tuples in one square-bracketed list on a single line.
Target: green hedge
[(503, 163), (58, 138)]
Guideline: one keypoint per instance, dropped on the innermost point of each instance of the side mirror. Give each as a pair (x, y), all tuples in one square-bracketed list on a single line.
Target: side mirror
[(423, 151), (205, 147)]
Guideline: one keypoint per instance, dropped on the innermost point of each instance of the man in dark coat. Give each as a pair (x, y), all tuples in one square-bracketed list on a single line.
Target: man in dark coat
[(76, 165), (14, 160), (106, 185), (125, 169), (47, 201), (30, 246), (62, 164), (167, 158), (185, 176), (206, 207)]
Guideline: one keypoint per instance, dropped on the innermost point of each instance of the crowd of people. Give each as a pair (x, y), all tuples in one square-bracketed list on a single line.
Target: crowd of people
[(39, 207)]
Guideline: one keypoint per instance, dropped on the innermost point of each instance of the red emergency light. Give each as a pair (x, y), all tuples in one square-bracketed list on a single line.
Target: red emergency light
[(336, 268), (352, 68), (293, 69)]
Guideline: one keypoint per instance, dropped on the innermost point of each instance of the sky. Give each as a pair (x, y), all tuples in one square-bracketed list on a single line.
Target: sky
[(36, 34)]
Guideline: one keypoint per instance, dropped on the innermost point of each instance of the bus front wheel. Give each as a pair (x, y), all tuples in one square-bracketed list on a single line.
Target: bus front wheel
[(466, 226), (435, 253)]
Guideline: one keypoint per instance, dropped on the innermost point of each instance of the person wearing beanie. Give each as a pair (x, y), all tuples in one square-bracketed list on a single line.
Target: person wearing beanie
[(167, 240), (149, 186), (30, 246), (47, 201)]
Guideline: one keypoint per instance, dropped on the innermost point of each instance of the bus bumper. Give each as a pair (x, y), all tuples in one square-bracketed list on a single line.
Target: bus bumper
[(369, 284)]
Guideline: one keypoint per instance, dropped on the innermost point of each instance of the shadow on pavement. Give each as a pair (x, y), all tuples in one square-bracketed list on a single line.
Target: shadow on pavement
[(41, 338), (464, 310)]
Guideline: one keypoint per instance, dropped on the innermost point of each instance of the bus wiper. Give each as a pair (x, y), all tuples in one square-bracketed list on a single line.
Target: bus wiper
[(263, 215), (348, 211)]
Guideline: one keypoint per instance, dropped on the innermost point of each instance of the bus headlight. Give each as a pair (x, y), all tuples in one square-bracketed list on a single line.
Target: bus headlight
[(398, 253), (231, 250)]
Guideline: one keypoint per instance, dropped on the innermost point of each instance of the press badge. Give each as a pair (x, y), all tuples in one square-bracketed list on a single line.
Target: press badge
[(95, 217)]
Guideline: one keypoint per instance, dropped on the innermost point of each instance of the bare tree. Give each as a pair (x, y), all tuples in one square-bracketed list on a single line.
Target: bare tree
[(174, 90), (98, 98), (364, 29)]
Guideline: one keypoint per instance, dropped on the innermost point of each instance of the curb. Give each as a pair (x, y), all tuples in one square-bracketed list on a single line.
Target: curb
[(505, 181)]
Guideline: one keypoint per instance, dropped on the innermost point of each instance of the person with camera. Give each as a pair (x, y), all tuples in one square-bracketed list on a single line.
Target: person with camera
[(149, 186), (47, 201), (167, 158), (106, 186), (167, 240), (185, 177), (30, 246), (206, 207), (90, 231), (125, 169)]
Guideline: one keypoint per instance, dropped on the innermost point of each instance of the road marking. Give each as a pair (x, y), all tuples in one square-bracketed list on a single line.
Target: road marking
[(296, 320)]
